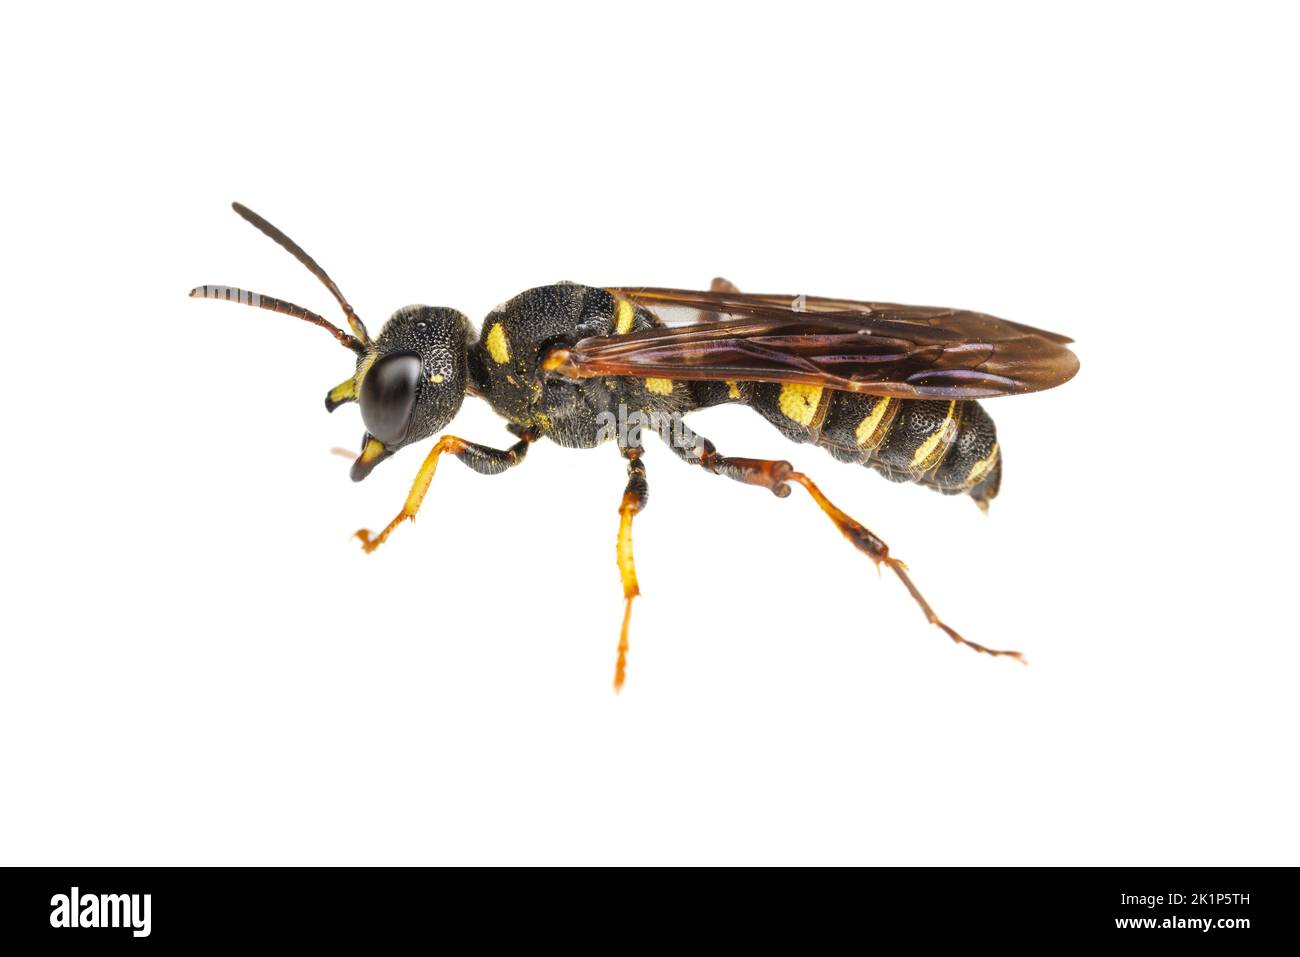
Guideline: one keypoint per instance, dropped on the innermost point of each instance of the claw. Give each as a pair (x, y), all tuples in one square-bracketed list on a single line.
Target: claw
[(370, 541)]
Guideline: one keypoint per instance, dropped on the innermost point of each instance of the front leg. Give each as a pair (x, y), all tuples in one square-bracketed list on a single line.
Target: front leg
[(481, 458)]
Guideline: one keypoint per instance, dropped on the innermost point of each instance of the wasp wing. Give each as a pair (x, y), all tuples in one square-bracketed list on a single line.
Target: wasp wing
[(871, 347)]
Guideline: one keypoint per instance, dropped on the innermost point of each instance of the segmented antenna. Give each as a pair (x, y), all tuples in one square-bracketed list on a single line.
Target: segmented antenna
[(358, 327), (259, 301)]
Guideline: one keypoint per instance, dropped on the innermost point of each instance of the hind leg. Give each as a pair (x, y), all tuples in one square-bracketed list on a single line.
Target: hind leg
[(776, 476)]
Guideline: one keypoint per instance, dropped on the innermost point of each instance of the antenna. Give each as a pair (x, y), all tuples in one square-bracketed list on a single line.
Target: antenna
[(298, 253), (259, 301)]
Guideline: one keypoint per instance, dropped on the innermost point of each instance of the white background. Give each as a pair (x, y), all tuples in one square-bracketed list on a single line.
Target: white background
[(198, 666)]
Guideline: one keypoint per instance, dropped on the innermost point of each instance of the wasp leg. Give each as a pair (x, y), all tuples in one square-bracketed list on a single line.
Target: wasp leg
[(480, 458), (776, 476), (634, 500)]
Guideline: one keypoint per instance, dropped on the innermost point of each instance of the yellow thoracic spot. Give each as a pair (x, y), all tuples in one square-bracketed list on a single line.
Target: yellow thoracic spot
[(981, 469), (871, 430), (799, 402), (436, 378), (733, 389), (660, 386), (498, 346), (931, 452), (624, 313)]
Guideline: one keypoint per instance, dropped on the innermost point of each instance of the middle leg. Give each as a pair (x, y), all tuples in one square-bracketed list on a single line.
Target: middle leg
[(635, 496)]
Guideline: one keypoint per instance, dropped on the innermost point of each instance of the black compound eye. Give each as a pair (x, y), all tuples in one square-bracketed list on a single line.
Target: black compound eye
[(388, 396)]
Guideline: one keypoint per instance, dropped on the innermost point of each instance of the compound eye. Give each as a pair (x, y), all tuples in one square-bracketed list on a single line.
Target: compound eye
[(388, 396)]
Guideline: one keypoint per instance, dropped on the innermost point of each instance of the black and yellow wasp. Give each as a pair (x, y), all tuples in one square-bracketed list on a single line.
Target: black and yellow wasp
[(887, 386)]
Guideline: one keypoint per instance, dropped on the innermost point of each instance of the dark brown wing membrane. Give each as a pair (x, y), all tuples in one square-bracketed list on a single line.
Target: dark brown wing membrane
[(871, 347)]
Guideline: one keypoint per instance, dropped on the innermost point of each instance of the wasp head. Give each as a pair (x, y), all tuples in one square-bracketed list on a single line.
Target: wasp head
[(409, 382)]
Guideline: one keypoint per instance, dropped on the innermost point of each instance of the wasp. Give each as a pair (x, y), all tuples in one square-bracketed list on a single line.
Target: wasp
[(886, 386)]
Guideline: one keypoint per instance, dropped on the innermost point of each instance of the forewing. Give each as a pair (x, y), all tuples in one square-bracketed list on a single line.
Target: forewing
[(876, 348)]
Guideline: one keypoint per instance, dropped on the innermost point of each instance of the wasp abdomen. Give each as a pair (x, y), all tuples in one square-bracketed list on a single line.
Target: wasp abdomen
[(948, 445)]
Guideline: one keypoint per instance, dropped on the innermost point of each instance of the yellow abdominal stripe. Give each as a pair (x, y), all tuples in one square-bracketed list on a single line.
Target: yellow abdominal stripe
[(931, 451), (498, 346), (871, 430), (981, 469), (799, 402)]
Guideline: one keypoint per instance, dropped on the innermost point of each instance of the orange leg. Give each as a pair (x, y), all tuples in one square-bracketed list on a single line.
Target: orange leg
[(634, 499), (775, 476), (480, 458)]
